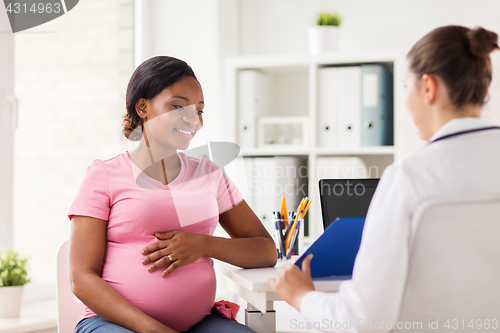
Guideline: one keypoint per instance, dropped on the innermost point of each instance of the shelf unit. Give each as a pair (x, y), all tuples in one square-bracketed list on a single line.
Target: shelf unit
[(294, 86)]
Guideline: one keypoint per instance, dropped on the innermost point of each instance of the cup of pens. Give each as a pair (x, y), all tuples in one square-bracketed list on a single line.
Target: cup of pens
[(283, 229), (287, 228)]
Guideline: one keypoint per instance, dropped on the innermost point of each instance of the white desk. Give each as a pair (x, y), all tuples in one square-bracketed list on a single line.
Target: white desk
[(251, 285)]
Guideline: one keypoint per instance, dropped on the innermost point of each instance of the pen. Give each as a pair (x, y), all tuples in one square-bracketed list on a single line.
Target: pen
[(282, 239), (279, 239), (287, 230), (292, 243)]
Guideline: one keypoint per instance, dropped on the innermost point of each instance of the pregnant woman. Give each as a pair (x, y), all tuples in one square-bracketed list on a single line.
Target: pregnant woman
[(142, 222)]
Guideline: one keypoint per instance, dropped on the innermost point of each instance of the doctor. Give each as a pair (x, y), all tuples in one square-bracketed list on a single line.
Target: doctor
[(448, 75)]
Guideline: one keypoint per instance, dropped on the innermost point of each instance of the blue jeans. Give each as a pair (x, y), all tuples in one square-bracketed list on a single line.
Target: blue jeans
[(213, 323)]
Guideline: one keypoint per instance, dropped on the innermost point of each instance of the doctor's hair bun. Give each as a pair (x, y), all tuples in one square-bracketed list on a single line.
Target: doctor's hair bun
[(482, 42), (460, 57), (148, 80)]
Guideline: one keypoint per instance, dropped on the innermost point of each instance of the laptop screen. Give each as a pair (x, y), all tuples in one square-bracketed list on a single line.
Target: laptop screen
[(345, 198)]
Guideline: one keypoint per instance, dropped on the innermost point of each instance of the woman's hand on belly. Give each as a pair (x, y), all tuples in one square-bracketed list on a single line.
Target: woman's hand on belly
[(174, 249)]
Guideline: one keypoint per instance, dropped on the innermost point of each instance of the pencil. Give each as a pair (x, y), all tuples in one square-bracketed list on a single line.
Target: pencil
[(299, 211), (284, 211), (306, 209)]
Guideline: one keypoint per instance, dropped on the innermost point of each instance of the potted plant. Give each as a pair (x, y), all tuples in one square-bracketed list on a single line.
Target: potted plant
[(13, 277), (324, 36)]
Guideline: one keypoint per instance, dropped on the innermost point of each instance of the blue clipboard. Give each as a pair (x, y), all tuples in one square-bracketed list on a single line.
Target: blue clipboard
[(336, 249)]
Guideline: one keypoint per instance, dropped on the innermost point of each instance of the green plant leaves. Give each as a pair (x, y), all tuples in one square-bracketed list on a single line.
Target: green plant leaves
[(326, 18), (13, 269)]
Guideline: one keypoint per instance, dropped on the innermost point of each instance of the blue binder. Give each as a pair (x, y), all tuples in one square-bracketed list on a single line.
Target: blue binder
[(376, 106), (336, 249)]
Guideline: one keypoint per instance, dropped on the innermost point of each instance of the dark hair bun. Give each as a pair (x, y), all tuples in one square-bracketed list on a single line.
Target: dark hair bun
[(133, 132), (482, 42)]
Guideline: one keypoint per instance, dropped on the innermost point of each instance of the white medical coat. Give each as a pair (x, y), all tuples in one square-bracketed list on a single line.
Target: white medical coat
[(468, 164)]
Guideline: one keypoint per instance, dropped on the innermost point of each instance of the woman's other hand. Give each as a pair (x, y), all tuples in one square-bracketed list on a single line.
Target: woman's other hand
[(175, 249), (292, 284)]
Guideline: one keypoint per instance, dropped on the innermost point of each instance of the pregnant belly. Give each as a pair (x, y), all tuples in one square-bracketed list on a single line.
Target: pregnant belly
[(180, 300)]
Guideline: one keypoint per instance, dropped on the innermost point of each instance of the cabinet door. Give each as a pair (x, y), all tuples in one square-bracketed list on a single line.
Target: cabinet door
[(7, 109)]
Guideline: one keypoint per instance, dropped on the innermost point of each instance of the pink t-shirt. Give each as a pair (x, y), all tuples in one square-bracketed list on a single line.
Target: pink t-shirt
[(136, 206)]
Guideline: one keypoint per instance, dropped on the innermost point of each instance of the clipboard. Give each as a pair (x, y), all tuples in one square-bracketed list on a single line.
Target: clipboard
[(336, 249)]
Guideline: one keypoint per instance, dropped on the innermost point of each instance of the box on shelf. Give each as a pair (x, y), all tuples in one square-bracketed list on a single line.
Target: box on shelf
[(283, 132)]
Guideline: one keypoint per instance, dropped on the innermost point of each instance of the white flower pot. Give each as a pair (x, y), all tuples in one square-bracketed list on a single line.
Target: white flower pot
[(10, 301), (323, 38)]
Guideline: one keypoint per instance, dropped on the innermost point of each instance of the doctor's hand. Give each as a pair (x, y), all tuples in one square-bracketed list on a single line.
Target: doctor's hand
[(174, 249), (292, 284)]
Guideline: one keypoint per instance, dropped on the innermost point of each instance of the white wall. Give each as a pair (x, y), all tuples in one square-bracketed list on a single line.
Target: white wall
[(6, 128), (280, 26)]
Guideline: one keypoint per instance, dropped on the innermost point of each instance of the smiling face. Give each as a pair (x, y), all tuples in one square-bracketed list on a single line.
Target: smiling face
[(173, 117)]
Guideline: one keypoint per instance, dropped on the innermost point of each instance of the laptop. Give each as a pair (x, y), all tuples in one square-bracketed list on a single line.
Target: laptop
[(344, 204), (345, 198)]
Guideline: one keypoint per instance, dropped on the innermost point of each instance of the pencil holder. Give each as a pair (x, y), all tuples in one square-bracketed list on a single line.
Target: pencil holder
[(286, 230)]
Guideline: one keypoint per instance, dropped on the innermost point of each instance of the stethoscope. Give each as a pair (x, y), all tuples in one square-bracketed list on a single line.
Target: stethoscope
[(465, 132)]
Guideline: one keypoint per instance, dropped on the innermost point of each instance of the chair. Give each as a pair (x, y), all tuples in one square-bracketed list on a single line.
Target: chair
[(69, 308), (454, 265)]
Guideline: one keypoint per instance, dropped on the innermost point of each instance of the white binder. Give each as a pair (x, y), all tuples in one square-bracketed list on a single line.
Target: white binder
[(328, 104), (253, 101), (349, 110)]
